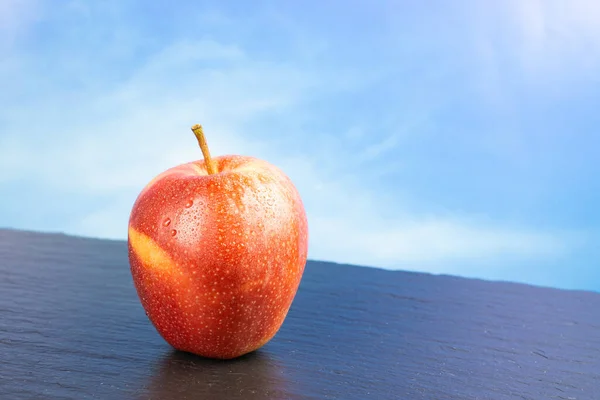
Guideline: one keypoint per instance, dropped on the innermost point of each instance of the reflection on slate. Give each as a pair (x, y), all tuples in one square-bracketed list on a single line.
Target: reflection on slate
[(71, 327), (182, 375)]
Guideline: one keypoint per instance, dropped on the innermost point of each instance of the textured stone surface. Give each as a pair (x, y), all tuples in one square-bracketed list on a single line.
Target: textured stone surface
[(72, 327)]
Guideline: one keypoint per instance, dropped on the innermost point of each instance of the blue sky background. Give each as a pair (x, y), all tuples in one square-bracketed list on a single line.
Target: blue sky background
[(449, 137)]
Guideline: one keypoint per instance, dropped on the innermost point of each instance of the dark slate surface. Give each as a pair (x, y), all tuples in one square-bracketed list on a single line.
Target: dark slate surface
[(71, 327)]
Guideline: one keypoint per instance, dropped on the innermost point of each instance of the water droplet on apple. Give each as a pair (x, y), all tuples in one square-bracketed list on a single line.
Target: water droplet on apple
[(189, 203), (167, 222), (173, 232)]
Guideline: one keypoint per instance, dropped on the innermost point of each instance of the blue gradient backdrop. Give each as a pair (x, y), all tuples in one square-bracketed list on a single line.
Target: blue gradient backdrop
[(458, 137)]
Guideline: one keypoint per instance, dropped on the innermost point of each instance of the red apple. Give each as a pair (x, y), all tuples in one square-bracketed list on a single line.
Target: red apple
[(217, 250)]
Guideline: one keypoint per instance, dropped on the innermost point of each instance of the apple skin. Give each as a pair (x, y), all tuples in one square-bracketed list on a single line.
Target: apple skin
[(217, 259)]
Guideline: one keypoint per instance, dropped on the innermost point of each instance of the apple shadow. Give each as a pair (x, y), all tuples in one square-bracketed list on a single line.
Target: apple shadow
[(180, 375)]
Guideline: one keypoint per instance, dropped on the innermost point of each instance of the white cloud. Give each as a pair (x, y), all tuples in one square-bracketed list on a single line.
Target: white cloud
[(435, 244), (546, 40), (560, 37), (351, 224), (141, 128), (525, 55)]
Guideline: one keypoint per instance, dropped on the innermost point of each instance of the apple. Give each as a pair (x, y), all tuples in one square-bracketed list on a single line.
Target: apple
[(217, 249)]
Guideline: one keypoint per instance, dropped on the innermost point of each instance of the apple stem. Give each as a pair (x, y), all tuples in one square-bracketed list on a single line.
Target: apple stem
[(210, 165)]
